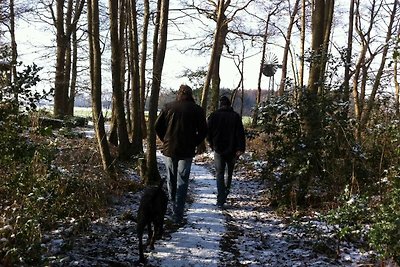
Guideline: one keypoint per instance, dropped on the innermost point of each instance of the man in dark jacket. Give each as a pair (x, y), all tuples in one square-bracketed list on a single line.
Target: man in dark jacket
[(181, 126), (226, 137)]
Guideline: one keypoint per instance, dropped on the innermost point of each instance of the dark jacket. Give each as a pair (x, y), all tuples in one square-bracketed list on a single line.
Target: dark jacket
[(181, 126), (226, 132)]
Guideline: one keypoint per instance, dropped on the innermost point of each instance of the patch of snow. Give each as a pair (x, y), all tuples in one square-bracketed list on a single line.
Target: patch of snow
[(197, 243), (245, 233)]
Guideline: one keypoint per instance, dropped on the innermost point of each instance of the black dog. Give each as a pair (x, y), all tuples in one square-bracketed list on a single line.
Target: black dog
[(151, 212)]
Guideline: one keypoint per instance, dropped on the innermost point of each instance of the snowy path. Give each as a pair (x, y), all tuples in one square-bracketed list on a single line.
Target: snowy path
[(197, 242), (246, 233)]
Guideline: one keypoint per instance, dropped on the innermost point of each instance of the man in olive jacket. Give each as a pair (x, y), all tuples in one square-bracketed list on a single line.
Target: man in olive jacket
[(181, 126), (226, 137)]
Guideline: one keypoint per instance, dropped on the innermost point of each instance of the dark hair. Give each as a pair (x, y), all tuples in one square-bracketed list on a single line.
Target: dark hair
[(185, 93), (224, 101)]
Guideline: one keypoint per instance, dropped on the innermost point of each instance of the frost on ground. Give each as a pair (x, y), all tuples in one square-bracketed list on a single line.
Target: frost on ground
[(244, 233), (197, 243)]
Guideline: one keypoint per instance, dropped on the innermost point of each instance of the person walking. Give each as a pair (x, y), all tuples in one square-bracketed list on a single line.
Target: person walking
[(227, 139), (181, 126)]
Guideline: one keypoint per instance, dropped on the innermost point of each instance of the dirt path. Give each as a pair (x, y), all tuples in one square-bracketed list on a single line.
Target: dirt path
[(245, 233)]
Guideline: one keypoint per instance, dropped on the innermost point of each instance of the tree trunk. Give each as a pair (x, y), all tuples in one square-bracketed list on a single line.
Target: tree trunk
[(214, 53), (67, 74), (146, 18), (260, 73), (113, 134), (14, 54), (59, 86), (128, 79), (215, 78), (327, 22), (302, 42), (95, 78), (286, 49), (137, 142), (397, 88), (64, 30), (152, 169), (396, 80), (349, 51), (117, 42), (311, 119), (74, 74)]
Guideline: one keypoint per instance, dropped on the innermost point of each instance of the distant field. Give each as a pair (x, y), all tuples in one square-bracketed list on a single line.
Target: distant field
[(85, 112)]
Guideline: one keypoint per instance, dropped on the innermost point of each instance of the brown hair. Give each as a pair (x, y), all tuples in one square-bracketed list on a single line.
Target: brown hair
[(185, 93)]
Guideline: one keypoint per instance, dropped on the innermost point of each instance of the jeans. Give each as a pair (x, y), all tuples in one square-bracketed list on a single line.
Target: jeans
[(178, 172), (223, 182)]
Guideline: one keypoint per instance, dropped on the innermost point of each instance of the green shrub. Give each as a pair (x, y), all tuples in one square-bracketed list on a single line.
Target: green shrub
[(384, 235), (291, 157)]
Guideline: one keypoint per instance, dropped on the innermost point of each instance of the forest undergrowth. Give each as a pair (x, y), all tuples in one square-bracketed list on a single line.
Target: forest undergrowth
[(54, 177)]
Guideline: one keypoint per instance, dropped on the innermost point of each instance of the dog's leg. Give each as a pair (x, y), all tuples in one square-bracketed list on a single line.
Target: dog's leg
[(159, 229), (153, 236), (150, 233), (140, 237)]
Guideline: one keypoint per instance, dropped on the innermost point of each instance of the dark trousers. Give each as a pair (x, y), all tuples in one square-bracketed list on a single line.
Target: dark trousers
[(222, 163)]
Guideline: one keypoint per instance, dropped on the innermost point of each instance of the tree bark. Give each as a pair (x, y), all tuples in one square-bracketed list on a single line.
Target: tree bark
[(311, 111), (95, 78), (349, 51), (153, 174), (74, 74), (215, 78), (396, 80), (59, 86), (137, 139), (143, 60), (282, 84), (214, 53), (302, 42), (63, 38), (117, 42), (14, 53)]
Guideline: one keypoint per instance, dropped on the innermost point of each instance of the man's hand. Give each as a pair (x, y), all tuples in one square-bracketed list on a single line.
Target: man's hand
[(238, 153)]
